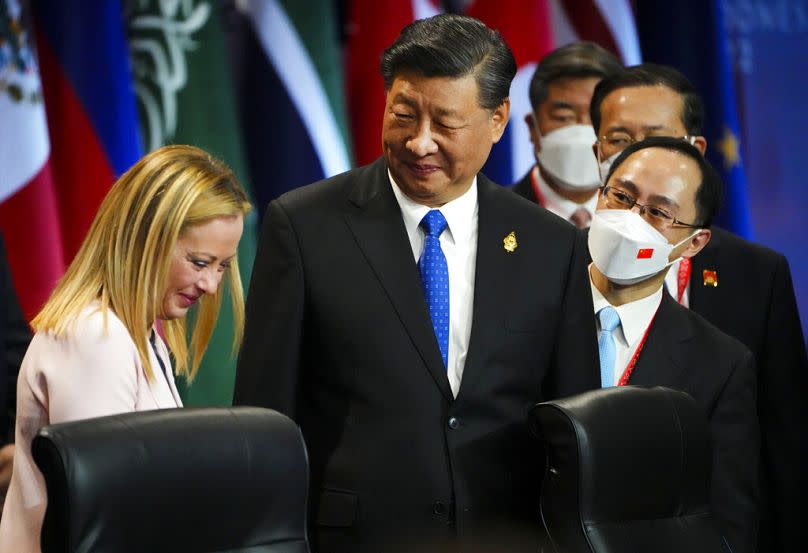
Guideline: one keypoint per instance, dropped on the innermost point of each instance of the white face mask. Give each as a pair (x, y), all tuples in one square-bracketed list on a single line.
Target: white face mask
[(626, 249), (605, 164), (566, 155)]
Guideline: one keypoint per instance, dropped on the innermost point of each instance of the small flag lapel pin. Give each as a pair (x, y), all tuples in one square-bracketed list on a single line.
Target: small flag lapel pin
[(509, 242), (710, 278)]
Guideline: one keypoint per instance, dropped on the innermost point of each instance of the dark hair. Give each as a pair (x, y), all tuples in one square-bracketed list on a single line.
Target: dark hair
[(449, 45), (709, 192), (579, 60), (651, 74)]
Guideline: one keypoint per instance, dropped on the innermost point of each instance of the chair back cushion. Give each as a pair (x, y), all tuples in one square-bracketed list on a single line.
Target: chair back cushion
[(175, 480), (628, 470)]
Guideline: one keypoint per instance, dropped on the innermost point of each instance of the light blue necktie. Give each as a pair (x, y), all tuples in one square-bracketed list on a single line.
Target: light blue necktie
[(609, 320), (435, 278)]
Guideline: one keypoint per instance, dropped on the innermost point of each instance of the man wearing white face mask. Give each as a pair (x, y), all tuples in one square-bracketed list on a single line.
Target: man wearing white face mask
[(656, 207), (743, 288), (565, 178)]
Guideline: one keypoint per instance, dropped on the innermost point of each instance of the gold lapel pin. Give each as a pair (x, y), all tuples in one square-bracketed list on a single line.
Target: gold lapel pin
[(710, 278), (509, 242)]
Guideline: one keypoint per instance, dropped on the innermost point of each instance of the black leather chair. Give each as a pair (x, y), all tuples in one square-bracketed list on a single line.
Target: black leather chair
[(175, 481), (628, 471)]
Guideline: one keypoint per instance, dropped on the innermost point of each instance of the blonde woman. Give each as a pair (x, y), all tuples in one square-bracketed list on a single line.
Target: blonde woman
[(163, 240)]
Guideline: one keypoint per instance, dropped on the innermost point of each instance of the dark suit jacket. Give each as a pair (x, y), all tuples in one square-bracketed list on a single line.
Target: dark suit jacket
[(524, 187), (754, 302), (338, 336), (14, 338), (687, 353)]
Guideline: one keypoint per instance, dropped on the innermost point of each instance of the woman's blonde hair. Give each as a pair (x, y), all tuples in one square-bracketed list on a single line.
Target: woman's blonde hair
[(124, 260)]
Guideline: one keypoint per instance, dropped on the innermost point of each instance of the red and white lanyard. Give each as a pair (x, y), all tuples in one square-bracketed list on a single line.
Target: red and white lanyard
[(630, 367), (682, 278)]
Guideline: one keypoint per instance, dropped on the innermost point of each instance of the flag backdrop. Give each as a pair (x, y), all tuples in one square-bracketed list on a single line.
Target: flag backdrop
[(773, 114), (534, 29), (526, 29), (372, 26), (29, 216), (185, 96), (703, 56), (90, 104), (609, 23), (293, 108)]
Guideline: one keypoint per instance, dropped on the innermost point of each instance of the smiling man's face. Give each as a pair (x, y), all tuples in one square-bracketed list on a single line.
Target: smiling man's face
[(436, 136)]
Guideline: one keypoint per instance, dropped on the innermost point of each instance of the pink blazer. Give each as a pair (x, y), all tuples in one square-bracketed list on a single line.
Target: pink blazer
[(91, 371)]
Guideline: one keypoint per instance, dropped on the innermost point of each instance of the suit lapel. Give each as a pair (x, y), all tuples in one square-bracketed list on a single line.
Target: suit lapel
[(705, 299), (664, 356), (379, 231), (488, 281)]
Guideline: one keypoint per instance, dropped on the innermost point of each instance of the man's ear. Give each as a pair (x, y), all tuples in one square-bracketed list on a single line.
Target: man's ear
[(697, 243), (499, 119), (532, 129), (701, 144)]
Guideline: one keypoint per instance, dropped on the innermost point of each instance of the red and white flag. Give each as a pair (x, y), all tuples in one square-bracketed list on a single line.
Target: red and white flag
[(525, 27), (29, 219), (372, 27), (609, 23)]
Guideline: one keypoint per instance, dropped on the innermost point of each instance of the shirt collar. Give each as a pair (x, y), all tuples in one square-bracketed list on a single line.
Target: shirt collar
[(459, 213), (635, 316), (558, 204)]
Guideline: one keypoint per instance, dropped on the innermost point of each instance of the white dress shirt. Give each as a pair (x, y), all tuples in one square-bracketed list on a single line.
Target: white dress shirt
[(672, 284), (459, 245), (558, 204), (635, 318)]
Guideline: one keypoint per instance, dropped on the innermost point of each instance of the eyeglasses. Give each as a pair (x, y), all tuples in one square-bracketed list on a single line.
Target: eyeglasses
[(620, 140), (658, 217)]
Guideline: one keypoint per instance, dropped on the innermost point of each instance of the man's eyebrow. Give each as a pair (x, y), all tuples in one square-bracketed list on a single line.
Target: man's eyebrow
[(402, 99), (654, 199), (628, 185), (645, 128), (445, 112), (657, 199), (559, 104)]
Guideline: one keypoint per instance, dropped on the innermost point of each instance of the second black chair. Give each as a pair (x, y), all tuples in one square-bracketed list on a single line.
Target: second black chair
[(628, 471)]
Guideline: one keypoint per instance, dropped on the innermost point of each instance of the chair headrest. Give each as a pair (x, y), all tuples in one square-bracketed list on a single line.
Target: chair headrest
[(174, 480), (635, 453)]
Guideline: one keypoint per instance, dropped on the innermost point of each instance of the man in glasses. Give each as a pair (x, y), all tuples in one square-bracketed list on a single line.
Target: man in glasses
[(565, 178), (656, 208), (742, 288)]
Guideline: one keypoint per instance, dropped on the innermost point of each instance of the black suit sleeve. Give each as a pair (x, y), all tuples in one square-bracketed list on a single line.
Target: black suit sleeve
[(575, 359), (269, 363), (782, 386), (16, 336), (736, 454)]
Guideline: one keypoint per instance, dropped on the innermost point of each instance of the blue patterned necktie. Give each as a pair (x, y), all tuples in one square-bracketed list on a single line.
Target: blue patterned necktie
[(435, 278), (609, 321)]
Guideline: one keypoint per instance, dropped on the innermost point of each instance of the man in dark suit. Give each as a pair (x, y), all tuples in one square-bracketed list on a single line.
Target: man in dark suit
[(412, 402), (14, 338), (742, 288), (656, 207), (565, 179)]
